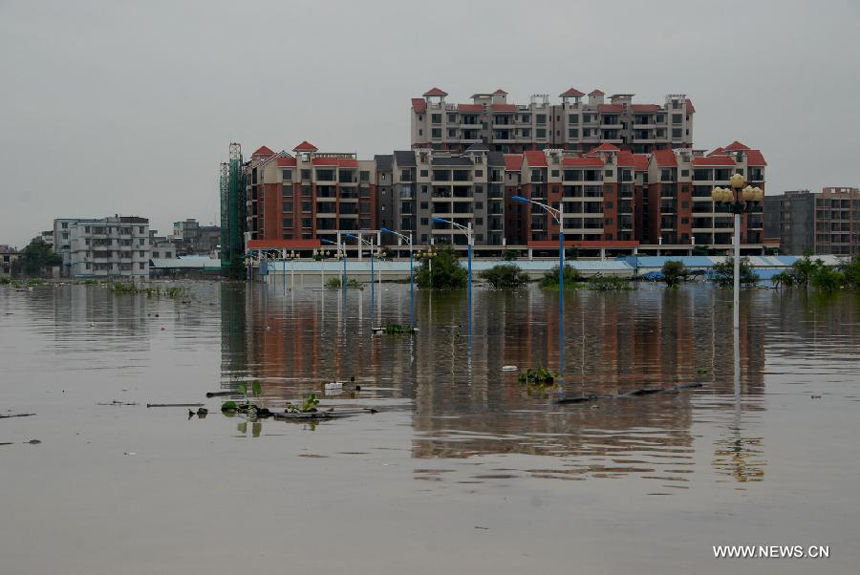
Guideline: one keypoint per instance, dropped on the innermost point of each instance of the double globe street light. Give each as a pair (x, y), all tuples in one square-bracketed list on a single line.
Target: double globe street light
[(741, 199)]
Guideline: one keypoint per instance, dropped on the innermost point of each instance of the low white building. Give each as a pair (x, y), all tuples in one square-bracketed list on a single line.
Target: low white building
[(108, 247)]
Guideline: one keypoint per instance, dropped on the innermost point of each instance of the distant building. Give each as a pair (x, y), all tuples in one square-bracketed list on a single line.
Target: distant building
[(105, 247), (827, 222), (571, 125), (46, 236), (8, 256), (161, 246), (192, 238)]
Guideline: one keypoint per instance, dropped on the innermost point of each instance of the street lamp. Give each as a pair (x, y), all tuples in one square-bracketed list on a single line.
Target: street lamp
[(470, 240), (741, 200), (411, 275), (321, 255), (290, 256), (367, 243), (558, 216)]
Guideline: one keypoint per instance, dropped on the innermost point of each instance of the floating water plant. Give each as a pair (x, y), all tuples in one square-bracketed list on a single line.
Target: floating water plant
[(539, 376)]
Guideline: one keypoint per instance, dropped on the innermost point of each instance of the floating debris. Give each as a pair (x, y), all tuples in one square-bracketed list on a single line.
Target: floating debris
[(509, 368), (17, 415), (174, 405), (635, 393)]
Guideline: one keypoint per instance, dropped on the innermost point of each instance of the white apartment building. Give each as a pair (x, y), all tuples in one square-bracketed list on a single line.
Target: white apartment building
[(108, 247)]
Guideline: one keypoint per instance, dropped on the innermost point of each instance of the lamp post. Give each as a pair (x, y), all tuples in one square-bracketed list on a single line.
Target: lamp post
[(558, 216), (470, 239), (741, 200), (290, 256), (411, 275), (370, 244), (321, 255)]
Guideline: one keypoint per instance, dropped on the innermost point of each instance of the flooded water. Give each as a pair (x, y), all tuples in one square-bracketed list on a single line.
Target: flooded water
[(462, 469)]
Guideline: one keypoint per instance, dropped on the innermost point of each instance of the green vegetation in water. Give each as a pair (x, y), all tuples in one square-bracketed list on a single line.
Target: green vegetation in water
[(395, 329), (505, 276), (724, 273), (609, 283), (539, 376), (35, 258), (351, 283), (130, 288), (674, 273), (572, 278), (446, 273), (309, 405), (229, 406), (808, 272)]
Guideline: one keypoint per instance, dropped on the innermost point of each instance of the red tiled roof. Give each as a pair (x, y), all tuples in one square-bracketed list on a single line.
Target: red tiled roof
[(665, 158), (419, 105), (282, 244), (286, 161), (571, 93), (625, 159), (605, 147), (435, 92), (574, 161), (714, 161), (735, 146), (611, 108), (263, 151), (503, 107), (755, 158), (595, 91), (342, 162), (535, 157), (690, 107), (718, 151), (305, 146), (500, 92), (469, 107), (645, 108), (641, 162), (513, 162)]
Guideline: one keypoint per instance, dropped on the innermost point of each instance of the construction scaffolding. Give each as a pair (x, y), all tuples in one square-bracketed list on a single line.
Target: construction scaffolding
[(232, 208)]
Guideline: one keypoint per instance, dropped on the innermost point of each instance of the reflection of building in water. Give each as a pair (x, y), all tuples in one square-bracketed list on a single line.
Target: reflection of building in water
[(614, 343)]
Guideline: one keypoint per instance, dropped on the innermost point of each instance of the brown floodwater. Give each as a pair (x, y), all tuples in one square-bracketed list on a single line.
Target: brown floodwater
[(462, 468)]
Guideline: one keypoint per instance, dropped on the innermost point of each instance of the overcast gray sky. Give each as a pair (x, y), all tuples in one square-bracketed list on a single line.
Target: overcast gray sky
[(128, 107)]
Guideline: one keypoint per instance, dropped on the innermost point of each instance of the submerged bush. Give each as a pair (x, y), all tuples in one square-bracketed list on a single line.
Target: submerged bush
[(539, 376), (674, 272), (609, 283), (447, 273), (334, 283), (572, 278), (505, 276)]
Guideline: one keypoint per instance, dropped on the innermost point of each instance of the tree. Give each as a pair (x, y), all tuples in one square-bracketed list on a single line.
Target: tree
[(851, 272), (447, 273), (36, 257), (724, 273), (505, 276), (674, 272)]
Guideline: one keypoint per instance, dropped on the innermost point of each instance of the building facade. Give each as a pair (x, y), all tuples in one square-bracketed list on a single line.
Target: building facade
[(822, 223), (308, 195), (108, 247), (191, 238), (8, 257), (573, 124), (611, 198)]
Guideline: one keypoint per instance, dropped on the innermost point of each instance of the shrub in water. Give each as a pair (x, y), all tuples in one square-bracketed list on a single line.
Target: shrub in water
[(505, 276)]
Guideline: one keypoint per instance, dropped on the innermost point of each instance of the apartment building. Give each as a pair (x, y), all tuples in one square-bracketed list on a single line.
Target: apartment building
[(574, 124), (308, 195), (827, 222), (8, 257), (192, 238), (107, 247), (611, 198)]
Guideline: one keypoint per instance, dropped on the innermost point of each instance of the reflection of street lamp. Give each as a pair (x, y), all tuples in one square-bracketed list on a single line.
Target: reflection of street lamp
[(742, 200), (367, 243), (291, 256), (470, 238), (428, 255), (321, 255), (411, 275), (558, 216)]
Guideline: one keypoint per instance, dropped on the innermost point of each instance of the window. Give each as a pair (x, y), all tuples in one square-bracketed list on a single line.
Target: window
[(676, 132), (406, 175), (364, 176), (424, 205), (479, 173), (436, 133), (607, 173), (142, 254), (452, 133), (479, 205), (677, 118), (685, 173), (306, 207), (306, 174), (573, 133), (540, 118), (540, 132), (288, 206), (452, 118), (65, 225), (141, 265), (554, 173), (479, 221), (306, 223), (573, 119), (286, 175), (425, 173), (436, 118), (425, 222), (306, 191)]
